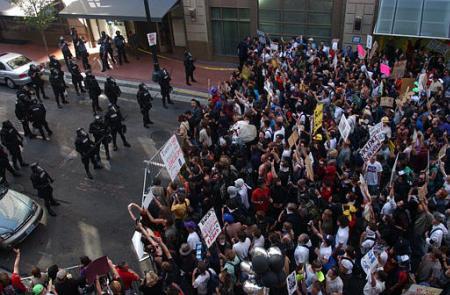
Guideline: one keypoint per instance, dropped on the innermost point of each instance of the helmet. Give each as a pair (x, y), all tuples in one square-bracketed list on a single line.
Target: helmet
[(80, 131), (61, 38), (34, 166), (7, 124), (142, 86), (98, 118)]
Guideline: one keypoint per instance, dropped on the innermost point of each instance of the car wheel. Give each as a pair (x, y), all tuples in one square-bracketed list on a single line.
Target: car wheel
[(10, 83)]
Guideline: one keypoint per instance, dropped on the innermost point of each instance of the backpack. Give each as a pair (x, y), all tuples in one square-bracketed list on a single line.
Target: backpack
[(213, 282)]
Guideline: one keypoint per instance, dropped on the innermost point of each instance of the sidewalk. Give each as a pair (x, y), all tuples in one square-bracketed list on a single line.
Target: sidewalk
[(138, 70)]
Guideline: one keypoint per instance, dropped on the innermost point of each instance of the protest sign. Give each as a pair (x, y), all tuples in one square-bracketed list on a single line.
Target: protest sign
[(369, 262), (438, 46), (335, 44), (291, 283), (374, 143), (210, 227), (98, 267), (344, 127), (373, 50), (172, 156), (318, 117), (407, 83), (385, 69), (139, 246), (293, 139), (147, 199), (399, 70), (387, 102), (369, 41), (309, 167), (151, 38), (361, 52), (415, 289), (261, 37), (274, 46)]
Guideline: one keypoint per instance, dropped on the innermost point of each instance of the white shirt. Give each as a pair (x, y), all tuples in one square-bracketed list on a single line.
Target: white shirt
[(342, 236), (436, 234), (193, 239), (325, 251), (281, 131), (372, 173), (201, 282), (334, 286), (369, 290), (301, 254), (243, 193), (241, 248)]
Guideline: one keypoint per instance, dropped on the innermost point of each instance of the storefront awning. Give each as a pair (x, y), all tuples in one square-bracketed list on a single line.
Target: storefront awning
[(117, 9), (414, 18), (8, 9)]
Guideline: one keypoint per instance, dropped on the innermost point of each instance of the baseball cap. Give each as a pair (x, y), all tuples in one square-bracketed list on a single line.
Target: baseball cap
[(37, 289)]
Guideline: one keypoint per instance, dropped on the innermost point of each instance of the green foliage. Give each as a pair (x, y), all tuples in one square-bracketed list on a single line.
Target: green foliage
[(39, 14)]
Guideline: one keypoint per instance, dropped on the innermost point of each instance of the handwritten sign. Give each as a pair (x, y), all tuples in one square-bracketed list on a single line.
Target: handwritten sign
[(344, 127), (318, 117), (373, 50), (374, 143), (385, 69), (172, 156), (361, 52), (369, 262), (210, 227), (399, 70), (387, 102), (422, 290), (291, 283), (369, 41), (151, 38)]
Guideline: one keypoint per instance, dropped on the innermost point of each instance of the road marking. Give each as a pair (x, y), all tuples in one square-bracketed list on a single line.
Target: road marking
[(90, 239)]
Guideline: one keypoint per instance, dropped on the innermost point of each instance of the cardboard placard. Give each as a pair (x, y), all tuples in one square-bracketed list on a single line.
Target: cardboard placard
[(369, 41), (98, 267), (172, 156), (361, 52), (318, 117), (309, 168), (385, 69), (292, 140), (210, 227), (373, 50), (387, 102), (291, 283), (415, 289), (344, 127), (399, 70), (151, 38), (407, 83)]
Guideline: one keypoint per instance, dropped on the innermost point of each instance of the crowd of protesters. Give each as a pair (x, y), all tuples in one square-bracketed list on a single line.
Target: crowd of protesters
[(310, 201)]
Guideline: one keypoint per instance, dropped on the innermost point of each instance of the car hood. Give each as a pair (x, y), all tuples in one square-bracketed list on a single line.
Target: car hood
[(15, 209)]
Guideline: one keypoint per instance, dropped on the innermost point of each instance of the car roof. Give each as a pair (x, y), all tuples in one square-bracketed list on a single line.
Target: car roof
[(6, 56)]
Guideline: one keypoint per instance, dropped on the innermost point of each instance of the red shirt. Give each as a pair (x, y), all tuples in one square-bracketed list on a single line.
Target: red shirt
[(260, 198), (127, 277), (16, 282)]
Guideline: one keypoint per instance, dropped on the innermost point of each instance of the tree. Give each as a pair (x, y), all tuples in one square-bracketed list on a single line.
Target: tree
[(39, 14)]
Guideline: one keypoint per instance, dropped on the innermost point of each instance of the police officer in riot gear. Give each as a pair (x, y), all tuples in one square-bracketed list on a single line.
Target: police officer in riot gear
[(67, 54), (4, 165), (114, 120), (12, 140), (22, 110), (144, 99), (189, 67), (42, 181), (102, 136), (164, 84), (112, 90), (77, 78), (36, 79), (87, 149), (54, 63), (94, 91), (38, 118), (58, 86)]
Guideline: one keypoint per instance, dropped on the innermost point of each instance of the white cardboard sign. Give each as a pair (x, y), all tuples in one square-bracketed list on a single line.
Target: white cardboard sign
[(344, 127), (373, 144), (139, 246), (369, 41), (369, 262), (172, 156), (210, 227), (291, 283), (151, 38)]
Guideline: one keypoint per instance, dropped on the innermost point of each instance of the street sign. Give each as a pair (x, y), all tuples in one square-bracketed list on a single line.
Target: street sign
[(151, 37), (356, 39)]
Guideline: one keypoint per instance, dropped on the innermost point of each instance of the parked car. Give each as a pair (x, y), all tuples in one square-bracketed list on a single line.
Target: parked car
[(14, 69), (19, 216)]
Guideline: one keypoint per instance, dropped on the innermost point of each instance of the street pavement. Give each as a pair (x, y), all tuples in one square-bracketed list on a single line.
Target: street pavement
[(93, 219)]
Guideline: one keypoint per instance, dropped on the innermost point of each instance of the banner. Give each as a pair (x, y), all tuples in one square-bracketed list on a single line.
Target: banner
[(344, 127), (172, 156), (369, 41), (387, 102), (318, 117), (369, 262), (291, 283), (415, 289), (385, 69), (361, 52), (210, 227), (151, 38), (399, 69)]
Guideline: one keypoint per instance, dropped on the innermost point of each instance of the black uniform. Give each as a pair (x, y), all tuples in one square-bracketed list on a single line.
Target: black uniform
[(75, 38), (102, 136), (67, 54), (54, 63), (112, 90), (164, 84), (87, 148), (12, 140), (42, 181), (84, 54), (94, 90), (37, 81), (189, 67), (22, 111), (113, 119), (77, 78), (37, 118), (58, 86), (144, 99), (4, 165), (119, 41), (105, 50)]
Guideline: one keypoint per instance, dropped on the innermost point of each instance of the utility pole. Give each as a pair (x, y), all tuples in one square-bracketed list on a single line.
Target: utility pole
[(156, 69)]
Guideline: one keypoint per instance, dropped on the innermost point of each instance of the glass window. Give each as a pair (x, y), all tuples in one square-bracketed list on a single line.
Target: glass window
[(271, 28), (269, 15), (320, 5), (435, 19), (269, 4), (294, 17), (295, 4), (217, 36), (215, 13), (294, 30), (386, 16), (244, 13), (229, 13), (407, 17), (319, 32), (319, 18)]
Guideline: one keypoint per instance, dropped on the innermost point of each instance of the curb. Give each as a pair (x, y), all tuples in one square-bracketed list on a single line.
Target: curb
[(130, 87)]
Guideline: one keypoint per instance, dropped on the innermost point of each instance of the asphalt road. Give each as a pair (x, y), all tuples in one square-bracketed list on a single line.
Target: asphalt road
[(93, 219)]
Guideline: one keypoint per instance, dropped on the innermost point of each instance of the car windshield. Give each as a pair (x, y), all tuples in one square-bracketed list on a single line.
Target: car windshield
[(15, 208), (19, 61)]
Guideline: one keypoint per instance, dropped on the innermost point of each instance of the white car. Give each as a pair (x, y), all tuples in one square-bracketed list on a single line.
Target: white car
[(14, 69), (19, 216)]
